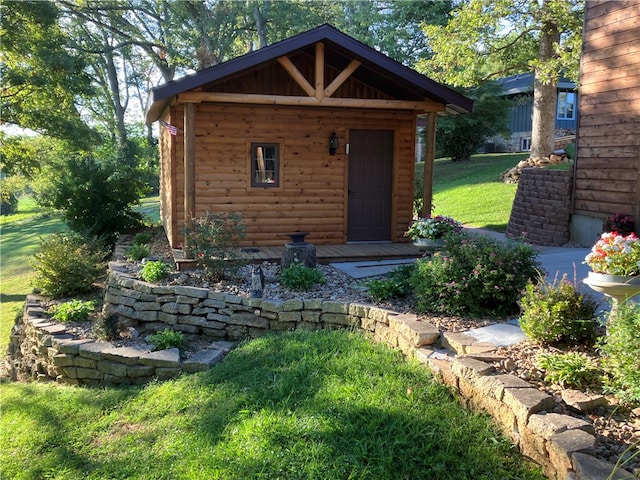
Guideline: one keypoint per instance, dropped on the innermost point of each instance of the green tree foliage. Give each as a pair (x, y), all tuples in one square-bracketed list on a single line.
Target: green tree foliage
[(460, 136), (487, 39), (96, 197), (42, 79)]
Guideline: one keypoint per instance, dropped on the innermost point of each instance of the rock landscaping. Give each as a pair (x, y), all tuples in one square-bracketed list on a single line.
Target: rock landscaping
[(571, 434)]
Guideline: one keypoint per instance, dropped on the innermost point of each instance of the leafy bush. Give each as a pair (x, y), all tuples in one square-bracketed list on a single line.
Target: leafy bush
[(475, 276), (137, 252), (569, 369), (72, 311), (142, 238), (67, 264), (154, 271), (398, 284), (558, 313), (96, 197), (621, 350), (167, 338), (214, 241), (299, 277)]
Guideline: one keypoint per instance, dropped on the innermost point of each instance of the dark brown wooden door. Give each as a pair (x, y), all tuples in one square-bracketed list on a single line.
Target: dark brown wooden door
[(370, 182)]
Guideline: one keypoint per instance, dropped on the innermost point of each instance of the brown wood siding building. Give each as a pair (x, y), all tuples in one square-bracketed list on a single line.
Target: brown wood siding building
[(253, 138), (607, 174)]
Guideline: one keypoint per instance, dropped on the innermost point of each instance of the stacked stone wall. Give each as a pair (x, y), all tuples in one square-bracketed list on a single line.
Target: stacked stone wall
[(561, 444), (541, 210)]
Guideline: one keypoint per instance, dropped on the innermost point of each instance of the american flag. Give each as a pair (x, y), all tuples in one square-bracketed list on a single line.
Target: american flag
[(172, 129)]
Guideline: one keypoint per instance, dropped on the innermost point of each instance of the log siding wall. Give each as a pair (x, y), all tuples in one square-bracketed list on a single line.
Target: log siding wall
[(607, 178), (312, 195)]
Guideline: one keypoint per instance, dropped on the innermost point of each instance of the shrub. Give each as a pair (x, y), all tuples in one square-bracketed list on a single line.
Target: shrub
[(67, 264), (398, 284), (569, 369), (96, 196), (142, 238), (107, 327), (72, 311), (558, 313), (475, 276), (298, 276), (214, 241), (154, 271), (137, 252), (621, 353), (167, 338)]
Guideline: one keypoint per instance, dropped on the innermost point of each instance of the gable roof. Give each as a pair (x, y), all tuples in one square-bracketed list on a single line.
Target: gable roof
[(376, 69), (523, 83)]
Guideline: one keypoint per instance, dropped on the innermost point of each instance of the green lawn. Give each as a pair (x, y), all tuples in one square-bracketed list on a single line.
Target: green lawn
[(319, 405), (315, 405), (472, 192)]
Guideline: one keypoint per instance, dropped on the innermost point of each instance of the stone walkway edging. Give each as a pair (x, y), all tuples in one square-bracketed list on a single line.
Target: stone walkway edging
[(561, 444)]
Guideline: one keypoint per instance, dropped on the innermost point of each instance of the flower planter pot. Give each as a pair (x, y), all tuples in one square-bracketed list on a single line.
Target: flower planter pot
[(429, 244), (605, 277), (619, 288)]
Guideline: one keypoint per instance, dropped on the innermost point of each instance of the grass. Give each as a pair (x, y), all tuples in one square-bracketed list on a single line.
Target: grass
[(472, 192), (316, 405), (19, 240)]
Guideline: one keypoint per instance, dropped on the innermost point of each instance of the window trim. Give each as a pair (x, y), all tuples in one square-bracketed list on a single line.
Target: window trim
[(276, 170), (563, 115)]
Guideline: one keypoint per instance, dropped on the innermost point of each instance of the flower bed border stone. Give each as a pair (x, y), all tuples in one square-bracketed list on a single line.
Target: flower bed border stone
[(561, 444)]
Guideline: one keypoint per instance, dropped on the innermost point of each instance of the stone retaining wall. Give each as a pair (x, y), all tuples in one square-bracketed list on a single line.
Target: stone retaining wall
[(562, 444), (541, 210)]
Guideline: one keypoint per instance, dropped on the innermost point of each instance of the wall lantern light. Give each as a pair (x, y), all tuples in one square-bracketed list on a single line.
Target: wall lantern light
[(333, 143)]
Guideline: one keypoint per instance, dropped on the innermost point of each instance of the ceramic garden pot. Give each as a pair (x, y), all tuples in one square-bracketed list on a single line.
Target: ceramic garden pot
[(429, 244)]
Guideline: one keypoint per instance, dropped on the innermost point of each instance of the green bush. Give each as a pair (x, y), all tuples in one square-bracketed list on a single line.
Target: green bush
[(96, 196), (398, 284), (142, 238), (474, 276), (621, 353), (558, 313), (67, 264), (213, 240), (154, 271), (573, 370), (167, 338), (299, 277), (72, 311), (137, 252)]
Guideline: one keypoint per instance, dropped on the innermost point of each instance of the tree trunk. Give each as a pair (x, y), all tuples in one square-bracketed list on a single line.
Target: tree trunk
[(544, 97)]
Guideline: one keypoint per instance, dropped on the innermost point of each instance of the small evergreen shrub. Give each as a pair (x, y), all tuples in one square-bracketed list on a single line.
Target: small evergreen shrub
[(621, 353), (573, 370), (213, 240), (398, 284), (137, 252), (474, 276), (167, 338), (67, 264), (558, 313), (72, 311), (299, 277), (154, 271)]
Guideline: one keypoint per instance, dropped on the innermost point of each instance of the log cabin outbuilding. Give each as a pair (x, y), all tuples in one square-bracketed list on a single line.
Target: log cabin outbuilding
[(607, 167), (316, 133)]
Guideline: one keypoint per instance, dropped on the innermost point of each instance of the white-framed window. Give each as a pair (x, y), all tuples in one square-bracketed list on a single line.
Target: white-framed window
[(525, 144), (566, 105), (265, 164)]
